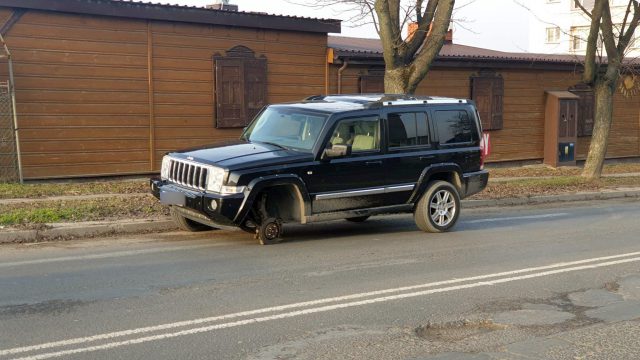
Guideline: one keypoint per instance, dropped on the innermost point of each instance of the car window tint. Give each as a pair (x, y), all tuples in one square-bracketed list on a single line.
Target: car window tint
[(363, 134), (454, 126), (408, 129)]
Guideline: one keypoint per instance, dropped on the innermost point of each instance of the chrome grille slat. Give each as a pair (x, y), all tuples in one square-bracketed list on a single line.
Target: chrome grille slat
[(188, 174)]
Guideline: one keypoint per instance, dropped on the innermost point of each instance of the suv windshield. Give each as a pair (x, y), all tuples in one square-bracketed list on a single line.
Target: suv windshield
[(286, 127)]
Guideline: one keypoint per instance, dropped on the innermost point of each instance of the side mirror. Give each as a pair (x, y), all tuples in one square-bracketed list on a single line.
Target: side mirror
[(336, 151)]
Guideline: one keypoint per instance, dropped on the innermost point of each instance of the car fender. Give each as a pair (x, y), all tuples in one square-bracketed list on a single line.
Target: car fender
[(258, 184), (427, 174)]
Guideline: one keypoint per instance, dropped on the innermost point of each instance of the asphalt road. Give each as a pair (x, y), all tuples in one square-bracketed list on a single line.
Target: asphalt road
[(545, 282)]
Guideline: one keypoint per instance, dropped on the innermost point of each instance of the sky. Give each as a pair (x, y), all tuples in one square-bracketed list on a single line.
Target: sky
[(492, 24)]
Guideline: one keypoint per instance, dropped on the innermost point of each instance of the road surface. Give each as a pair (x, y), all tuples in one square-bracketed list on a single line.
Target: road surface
[(555, 281)]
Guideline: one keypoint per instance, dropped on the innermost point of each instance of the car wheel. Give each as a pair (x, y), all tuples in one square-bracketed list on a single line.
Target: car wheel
[(188, 224), (439, 208), (358, 219), (270, 231)]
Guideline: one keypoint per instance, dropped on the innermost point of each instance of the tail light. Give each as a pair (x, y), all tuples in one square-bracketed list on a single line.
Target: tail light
[(483, 152)]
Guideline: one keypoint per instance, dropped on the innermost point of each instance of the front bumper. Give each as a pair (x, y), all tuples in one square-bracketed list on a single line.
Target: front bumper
[(220, 210), (475, 182)]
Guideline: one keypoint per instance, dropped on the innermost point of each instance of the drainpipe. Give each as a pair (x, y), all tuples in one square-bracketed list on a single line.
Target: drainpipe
[(12, 91), (345, 63)]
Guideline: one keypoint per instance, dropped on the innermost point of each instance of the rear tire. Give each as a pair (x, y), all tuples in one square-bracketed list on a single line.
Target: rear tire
[(188, 224), (439, 208), (358, 219)]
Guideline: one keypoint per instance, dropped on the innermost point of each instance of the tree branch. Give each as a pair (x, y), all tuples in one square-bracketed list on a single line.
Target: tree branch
[(433, 44), (590, 68)]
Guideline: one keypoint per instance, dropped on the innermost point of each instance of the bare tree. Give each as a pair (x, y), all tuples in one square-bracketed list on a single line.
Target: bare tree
[(407, 59), (604, 81)]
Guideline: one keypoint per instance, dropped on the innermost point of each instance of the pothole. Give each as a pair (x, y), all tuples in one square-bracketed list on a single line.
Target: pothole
[(456, 330), (533, 317)]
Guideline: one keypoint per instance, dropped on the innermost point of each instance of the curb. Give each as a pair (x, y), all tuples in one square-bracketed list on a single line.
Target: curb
[(86, 230), (103, 228), (537, 200)]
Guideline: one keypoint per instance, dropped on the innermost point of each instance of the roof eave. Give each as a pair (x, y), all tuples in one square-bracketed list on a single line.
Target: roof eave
[(179, 14)]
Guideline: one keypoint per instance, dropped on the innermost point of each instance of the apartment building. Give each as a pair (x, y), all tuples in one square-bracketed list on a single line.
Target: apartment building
[(561, 27)]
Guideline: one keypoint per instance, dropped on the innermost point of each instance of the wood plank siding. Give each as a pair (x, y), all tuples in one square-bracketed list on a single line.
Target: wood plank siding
[(522, 137), (105, 96)]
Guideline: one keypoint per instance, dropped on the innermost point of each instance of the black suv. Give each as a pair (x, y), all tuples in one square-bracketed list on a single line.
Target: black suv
[(331, 157)]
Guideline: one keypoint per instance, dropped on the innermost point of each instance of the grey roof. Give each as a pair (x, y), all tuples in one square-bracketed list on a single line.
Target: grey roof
[(372, 48), (179, 13)]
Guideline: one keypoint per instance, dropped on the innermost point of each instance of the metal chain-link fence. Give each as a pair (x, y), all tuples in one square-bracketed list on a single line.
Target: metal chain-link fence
[(8, 149)]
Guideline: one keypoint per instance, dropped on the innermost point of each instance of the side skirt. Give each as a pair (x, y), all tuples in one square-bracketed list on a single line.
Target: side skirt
[(393, 209)]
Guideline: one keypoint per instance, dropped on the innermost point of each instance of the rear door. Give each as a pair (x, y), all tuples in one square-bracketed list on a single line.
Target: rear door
[(409, 150)]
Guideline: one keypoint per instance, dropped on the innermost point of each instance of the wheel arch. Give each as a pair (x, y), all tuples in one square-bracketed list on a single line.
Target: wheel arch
[(291, 183), (449, 172)]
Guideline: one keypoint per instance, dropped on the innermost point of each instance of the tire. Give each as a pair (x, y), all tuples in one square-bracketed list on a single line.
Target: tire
[(270, 231), (438, 209), (188, 224), (358, 219)]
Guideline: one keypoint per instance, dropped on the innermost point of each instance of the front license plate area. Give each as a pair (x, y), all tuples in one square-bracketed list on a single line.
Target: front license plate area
[(172, 197)]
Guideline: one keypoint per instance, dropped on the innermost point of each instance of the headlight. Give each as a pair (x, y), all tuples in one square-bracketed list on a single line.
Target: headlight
[(166, 166), (215, 178)]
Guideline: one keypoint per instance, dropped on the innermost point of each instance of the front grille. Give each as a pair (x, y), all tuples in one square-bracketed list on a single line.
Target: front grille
[(188, 174)]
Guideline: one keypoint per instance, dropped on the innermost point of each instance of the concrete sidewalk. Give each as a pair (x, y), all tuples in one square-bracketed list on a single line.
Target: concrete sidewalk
[(63, 231)]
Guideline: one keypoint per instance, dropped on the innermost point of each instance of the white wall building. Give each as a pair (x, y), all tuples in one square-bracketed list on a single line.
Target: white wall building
[(561, 27)]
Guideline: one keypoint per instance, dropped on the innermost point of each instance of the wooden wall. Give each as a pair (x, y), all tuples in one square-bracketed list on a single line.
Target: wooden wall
[(522, 137), (106, 96)]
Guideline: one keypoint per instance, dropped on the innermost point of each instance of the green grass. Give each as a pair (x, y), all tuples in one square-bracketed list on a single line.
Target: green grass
[(42, 212), (16, 191)]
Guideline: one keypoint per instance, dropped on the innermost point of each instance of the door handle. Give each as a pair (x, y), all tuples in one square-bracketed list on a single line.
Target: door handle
[(375, 162), (427, 157)]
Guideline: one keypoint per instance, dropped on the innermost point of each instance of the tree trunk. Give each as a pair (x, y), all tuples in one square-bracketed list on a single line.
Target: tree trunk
[(395, 81), (604, 90)]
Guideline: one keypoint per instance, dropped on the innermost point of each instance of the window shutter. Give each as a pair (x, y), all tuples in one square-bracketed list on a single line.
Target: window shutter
[(372, 84), (496, 103), (488, 93), (240, 87), (255, 90), (586, 106), (230, 93)]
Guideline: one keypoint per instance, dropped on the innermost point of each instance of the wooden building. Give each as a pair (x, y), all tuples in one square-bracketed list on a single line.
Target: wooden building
[(105, 87)]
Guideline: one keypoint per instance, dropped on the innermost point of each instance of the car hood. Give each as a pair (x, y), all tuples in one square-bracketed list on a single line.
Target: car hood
[(240, 154)]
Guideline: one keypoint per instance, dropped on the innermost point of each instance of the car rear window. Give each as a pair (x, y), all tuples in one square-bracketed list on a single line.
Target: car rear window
[(454, 127)]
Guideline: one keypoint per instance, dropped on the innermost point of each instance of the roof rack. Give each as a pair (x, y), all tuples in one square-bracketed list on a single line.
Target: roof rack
[(379, 100)]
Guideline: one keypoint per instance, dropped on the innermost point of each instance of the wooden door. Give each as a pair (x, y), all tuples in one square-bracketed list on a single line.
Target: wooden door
[(230, 93)]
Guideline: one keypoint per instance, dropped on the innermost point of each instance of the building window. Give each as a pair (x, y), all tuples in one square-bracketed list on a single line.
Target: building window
[(487, 90), (586, 106), (372, 83), (408, 129), (553, 35), (240, 87), (579, 36), (587, 4)]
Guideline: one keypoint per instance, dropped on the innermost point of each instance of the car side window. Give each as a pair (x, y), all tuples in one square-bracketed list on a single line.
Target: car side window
[(408, 129), (363, 134), (454, 127)]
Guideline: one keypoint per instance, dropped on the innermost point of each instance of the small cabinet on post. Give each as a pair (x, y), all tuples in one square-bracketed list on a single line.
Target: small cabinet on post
[(560, 128)]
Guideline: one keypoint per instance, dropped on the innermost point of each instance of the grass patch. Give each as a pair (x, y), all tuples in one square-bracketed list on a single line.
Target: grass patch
[(22, 214), (519, 188), (543, 170), (15, 191)]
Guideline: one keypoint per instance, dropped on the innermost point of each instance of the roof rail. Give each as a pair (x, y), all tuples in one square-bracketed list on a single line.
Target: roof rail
[(421, 102)]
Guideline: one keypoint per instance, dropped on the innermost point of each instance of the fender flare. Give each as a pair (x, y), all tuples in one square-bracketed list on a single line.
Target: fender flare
[(431, 170), (258, 184)]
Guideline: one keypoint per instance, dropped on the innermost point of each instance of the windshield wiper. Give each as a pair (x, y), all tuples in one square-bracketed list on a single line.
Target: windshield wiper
[(272, 143)]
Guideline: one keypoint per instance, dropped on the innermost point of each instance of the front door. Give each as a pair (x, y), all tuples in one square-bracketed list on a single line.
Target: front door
[(355, 181)]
